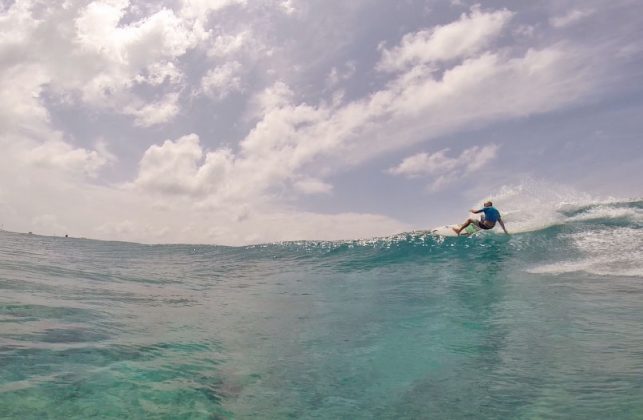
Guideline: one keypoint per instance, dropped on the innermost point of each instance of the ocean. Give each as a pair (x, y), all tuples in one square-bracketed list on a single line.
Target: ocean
[(546, 323)]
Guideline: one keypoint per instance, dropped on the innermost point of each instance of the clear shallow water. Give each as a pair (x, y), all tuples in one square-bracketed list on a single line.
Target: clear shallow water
[(543, 324)]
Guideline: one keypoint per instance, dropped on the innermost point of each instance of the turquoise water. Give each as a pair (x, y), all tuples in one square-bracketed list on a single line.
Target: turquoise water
[(542, 324)]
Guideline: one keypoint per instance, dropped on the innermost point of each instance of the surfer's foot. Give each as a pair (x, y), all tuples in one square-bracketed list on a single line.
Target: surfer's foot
[(457, 231)]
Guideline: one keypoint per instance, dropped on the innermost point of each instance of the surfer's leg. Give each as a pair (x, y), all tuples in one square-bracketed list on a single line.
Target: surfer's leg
[(464, 225)]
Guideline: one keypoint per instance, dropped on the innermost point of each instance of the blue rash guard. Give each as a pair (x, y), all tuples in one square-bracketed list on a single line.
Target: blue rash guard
[(491, 214)]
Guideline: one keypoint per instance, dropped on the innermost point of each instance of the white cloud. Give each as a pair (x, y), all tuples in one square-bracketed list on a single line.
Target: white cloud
[(341, 74), (424, 164), (161, 207), (20, 106), (17, 26), (292, 139), (570, 18), (288, 6), (221, 81), (224, 45), (277, 96), (462, 38), (137, 44), (65, 158), (159, 73), (102, 147), (97, 54), (123, 52), (415, 107), (313, 186), (182, 167), (446, 169), (201, 9), (148, 114)]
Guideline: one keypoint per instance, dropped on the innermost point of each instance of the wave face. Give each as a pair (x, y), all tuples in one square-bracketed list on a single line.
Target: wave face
[(545, 323)]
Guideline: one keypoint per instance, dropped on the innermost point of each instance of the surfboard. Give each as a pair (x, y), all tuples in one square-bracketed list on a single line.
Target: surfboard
[(448, 230)]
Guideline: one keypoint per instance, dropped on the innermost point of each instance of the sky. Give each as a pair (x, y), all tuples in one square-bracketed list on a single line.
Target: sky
[(247, 121)]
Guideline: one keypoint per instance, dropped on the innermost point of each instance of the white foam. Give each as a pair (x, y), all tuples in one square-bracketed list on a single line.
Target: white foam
[(533, 205), (616, 252), (609, 212)]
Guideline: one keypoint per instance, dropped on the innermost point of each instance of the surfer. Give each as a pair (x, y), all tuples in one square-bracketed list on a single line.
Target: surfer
[(487, 221)]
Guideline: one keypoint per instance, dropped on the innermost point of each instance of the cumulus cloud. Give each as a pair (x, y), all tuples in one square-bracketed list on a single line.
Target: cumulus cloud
[(224, 45), (126, 55), (443, 168), (20, 106), (221, 81), (274, 97), (159, 73), (182, 167), (464, 37), (93, 55), (127, 49), (152, 113), (100, 58), (65, 158)]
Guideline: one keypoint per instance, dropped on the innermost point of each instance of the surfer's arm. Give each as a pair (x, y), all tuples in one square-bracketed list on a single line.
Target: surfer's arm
[(475, 211), (502, 225)]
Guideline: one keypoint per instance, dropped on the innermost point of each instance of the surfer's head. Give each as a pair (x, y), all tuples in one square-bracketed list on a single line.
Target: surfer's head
[(488, 204)]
